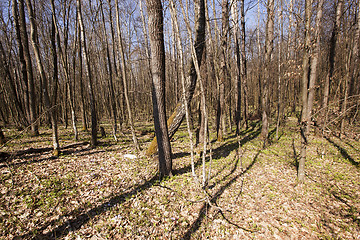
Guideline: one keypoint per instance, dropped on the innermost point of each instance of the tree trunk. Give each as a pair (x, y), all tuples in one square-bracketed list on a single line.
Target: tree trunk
[(354, 67), (155, 21), (220, 116), (23, 68), (110, 83), (177, 37), (175, 119), (310, 65), (260, 107), (304, 92), (268, 55), (53, 97), (66, 73), (13, 96), (80, 73), (45, 89), (2, 137), (89, 76), (279, 103), (243, 61), (331, 59), (236, 33), (124, 78), (29, 70)]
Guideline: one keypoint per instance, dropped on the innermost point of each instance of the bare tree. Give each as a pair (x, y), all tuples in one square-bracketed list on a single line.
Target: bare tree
[(156, 32), (63, 58), (310, 65), (265, 84), (29, 70), (220, 115), (352, 70), (236, 33), (279, 103), (177, 37), (331, 59), (35, 44), (178, 114), (88, 74), (124, 77), (110, 72)]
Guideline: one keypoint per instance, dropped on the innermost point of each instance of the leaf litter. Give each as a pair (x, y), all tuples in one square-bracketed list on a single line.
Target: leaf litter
[(98, 193)]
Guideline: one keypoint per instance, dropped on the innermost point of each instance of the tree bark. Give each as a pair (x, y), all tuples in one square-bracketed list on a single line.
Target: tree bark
[(243, 62), (310, 65), (18, 112), (155, 21), (279, 103), (29, 70), (2, 137), (177, 38), (331, 59), (66, 72), (265, 85), (89, 76), (23, 68), (177, 116), (124, 78), (45, 89), (236, 33), (110, 73), (220, 116)]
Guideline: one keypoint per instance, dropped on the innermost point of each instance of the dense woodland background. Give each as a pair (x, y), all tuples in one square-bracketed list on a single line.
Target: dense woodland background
[(278, 77), (234, 61)]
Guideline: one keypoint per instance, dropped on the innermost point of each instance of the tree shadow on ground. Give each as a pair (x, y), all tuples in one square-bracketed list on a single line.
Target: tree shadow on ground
[(180, 155), (220, 152), (346, 202), (79, 220), (225, 149), (27, 156), (344, 153), (352, 146), (206, 206)]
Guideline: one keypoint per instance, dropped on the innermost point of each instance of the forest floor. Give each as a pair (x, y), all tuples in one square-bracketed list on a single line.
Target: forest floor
[(97, 193)]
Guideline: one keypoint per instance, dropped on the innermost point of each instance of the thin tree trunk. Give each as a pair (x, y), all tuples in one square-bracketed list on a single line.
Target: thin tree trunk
[(265, 85), (200, 17), (48, 104), (260, 107), (310, 65), (176, 30), (110, 83), (354, 62), (23, 67), (331, 59), (243, 62), (220, 116), (279, 71), (236, 33), (81, 82), (124, 78), (20, 115), (66, 73), (29, 70), (155, 21), (53, 97), (89, 76)]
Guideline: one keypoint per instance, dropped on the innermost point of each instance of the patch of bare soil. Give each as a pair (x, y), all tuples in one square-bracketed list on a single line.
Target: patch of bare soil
[(252, 193)]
